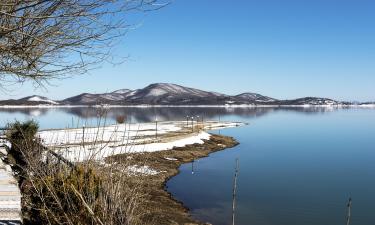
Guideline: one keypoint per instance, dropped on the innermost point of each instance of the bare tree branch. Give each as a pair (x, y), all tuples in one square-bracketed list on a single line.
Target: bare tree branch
[(45, 39)]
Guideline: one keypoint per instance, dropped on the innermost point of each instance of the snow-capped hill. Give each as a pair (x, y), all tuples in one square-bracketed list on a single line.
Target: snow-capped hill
[(87, 98), (164, 92), (172, 94), (158, 93), (39, 99), (158, 89), (311, 101), (84, 98), (254, 97)]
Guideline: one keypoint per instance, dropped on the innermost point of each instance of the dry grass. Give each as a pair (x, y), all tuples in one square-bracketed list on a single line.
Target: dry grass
[(55, 191)]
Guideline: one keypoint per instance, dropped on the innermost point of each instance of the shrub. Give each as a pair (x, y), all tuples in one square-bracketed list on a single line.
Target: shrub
[(57, 192), (23, 145), (66, 198), (120, 119)]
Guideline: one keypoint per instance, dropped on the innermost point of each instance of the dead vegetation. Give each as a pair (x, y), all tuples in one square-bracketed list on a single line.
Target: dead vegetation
[(55, 191)]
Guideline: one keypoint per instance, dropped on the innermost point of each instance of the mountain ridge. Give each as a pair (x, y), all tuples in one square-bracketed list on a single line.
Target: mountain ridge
[(169, 94)]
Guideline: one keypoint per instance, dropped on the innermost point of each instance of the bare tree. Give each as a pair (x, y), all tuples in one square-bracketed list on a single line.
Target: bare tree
[(45, 39)]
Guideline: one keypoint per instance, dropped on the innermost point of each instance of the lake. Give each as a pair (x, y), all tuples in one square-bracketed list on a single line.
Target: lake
[(298, 166)]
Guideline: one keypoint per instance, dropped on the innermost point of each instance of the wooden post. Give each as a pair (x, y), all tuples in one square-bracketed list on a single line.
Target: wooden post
[(197, 124), (219, 122), (156, 128), (83, 136), (234, 192), (349, 212), (192, 124)]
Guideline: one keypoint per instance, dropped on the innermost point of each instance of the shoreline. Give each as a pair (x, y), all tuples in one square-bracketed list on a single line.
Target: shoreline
[(163, 207), (97, 143), (152, 161), (153, 169)]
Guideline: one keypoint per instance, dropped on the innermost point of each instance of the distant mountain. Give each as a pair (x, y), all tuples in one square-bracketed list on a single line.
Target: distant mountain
[(310, 101), (90, 99), (166, 94), (253, 97), (30, 100), (169, 94)]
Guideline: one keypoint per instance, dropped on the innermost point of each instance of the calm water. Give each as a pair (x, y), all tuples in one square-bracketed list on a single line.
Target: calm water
[(297, 166)]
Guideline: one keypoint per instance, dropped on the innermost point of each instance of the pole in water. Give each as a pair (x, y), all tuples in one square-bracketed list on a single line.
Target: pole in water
[(192, 167), (349, 211), (234, 191)]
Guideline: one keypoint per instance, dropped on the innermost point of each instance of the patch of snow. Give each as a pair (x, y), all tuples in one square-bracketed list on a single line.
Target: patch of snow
[(112, 97), (143, 170), (40, 99), (170, 159), (156, 92), (116, 133), (98, 152), (131, 93), (99, 142)]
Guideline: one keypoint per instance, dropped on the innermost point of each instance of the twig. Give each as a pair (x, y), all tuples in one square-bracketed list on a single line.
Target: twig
[(86, 205)]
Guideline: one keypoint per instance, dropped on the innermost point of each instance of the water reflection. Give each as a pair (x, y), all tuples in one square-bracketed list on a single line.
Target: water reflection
[(163, 113), (298, 166)]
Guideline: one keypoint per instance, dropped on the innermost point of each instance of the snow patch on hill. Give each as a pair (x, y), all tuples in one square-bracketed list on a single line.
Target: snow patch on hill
[(36, 98), (156, 92)]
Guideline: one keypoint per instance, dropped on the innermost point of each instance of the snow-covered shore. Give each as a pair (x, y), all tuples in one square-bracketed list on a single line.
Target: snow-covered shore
[(99, 142)]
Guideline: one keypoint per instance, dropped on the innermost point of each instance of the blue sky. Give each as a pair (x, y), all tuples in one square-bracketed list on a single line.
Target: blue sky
[(283, 49)]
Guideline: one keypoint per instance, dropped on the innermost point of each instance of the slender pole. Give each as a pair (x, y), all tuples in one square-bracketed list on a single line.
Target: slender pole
[(219, 122), (156, 128), (349, 212), (192, 124), (235, 191), (83, 135), (197, 124)]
